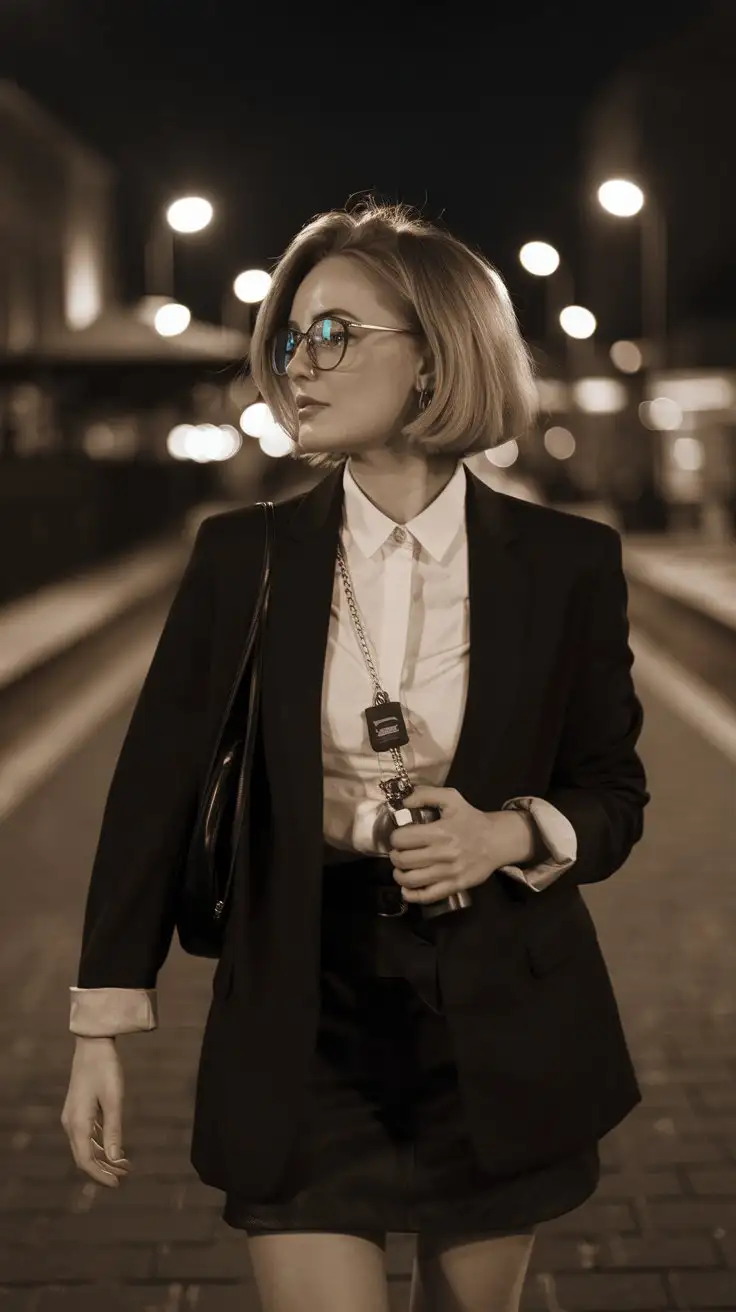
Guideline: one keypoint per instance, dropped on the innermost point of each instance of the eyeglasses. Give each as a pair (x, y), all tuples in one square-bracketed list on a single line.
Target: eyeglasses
[(326, 340)]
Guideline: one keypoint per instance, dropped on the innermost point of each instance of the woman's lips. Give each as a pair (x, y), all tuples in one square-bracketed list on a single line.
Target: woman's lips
[(305, 411)]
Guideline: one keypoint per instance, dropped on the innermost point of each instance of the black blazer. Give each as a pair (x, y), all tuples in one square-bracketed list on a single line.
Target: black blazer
[(550, 711)]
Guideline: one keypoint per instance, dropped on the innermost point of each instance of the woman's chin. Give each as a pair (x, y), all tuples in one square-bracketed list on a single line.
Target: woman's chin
[(313, 438)]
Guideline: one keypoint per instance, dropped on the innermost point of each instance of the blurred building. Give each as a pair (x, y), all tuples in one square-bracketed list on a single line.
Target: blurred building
[(56, 197), (666, 122), (89, 390)]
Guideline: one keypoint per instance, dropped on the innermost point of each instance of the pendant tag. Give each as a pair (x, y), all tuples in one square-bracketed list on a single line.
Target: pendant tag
[(386, 727)]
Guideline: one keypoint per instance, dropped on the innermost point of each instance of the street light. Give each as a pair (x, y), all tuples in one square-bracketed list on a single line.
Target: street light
[(539, 258), (252, 285), (543, 260), (624, 199), (189, 214), (172, 319), (578, 322), (249, 287), (621, 197), (185, 215)]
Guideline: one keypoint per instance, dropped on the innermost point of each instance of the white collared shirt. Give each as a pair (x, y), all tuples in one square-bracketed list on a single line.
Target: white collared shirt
[(410, 584)]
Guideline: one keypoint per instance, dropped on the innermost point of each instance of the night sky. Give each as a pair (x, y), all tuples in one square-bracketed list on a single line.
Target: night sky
[(279, 114)]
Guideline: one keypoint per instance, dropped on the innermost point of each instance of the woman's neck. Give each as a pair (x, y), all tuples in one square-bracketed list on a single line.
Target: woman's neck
[(401, 487)]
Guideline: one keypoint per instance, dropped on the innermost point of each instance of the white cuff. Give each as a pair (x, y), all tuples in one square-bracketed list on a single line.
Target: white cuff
[(105, 1012), (555, 831)]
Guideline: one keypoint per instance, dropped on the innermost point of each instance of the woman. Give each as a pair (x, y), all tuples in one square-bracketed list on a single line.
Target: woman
[(368, 1066)]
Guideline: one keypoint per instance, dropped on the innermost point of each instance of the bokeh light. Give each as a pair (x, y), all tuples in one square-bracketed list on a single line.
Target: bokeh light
[(621, 197), (189, 214), (539, 258), (688, 454), (577, 322), (505, 455), (559, 443), (172, 319), (256, 419), (275, 442), (600, 396), (661, 414), (203, 442), (627, 357), (252, 285)]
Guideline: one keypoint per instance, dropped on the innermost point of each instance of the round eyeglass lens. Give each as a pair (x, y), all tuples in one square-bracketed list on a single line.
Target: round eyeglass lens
[(326, 344), (282, 349), (327, 341)]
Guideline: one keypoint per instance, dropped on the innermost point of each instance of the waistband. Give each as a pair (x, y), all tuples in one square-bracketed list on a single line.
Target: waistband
[(367, 884), (362, 869)]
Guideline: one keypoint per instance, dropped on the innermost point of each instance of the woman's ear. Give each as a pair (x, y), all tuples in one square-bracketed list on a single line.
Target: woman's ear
[(425, 377)]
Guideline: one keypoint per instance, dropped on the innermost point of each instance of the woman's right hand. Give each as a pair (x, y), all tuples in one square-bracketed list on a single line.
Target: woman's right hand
[(94, 1111)]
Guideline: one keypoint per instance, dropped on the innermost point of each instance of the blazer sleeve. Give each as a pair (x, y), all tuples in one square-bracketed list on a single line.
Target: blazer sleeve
[(598, 781), (130, 911)]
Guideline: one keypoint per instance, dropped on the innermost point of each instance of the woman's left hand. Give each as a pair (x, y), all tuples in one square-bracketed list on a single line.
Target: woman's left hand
[(461, 849)]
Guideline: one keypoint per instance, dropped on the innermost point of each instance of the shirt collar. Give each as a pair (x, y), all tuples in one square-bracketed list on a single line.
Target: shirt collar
[(434, 528)]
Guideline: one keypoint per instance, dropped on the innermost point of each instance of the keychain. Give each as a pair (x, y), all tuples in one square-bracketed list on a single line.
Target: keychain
[(388, 733)]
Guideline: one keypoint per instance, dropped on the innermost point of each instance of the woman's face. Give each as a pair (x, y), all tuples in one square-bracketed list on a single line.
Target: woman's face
[(373, 392)]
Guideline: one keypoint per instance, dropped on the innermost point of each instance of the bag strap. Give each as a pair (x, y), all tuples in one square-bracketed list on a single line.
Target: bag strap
[(260, 608), (256, 642)]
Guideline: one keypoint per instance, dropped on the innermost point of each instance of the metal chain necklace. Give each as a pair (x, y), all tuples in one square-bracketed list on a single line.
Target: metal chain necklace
[(387, 732), (386, 726)]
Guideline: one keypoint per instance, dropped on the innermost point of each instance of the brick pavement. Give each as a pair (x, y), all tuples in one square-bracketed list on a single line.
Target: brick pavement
[(660, 1231)]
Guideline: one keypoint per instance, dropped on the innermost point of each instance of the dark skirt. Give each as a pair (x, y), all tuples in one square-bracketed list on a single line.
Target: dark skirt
[(383, 1145)]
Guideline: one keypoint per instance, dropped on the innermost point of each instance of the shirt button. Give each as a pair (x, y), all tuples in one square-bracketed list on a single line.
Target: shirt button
[(399, 534)]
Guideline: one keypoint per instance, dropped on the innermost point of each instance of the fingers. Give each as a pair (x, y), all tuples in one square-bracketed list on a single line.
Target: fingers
[(416, 865), (86, 1140), (433, 893), (106, 1149), (428, 885)]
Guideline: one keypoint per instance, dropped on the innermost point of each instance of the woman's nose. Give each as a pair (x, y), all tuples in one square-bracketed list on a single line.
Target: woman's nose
[(300, 358)]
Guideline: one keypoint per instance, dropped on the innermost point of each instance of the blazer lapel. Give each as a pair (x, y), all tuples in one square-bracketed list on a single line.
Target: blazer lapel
[(305, 554), (499, 591)]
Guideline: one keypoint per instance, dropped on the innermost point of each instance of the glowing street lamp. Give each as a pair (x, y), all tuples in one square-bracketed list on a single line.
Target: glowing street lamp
[(539, 258), (578, 322), (621, 197), (624, 199), (172, 319), (189, 214), (249, 287), (252, 285), (543, 260), (183, 216)]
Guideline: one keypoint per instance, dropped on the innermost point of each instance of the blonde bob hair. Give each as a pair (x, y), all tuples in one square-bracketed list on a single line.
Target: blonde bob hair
[(484, 391)]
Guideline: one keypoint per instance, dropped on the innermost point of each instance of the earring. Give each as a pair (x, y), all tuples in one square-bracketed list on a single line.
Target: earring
[(425, 396)]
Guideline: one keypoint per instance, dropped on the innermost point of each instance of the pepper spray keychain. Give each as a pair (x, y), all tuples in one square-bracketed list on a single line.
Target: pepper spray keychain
[(388, 733)]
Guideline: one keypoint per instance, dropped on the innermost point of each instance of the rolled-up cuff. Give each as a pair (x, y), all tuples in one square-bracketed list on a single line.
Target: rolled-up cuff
[(105, 1012), (558, 836)]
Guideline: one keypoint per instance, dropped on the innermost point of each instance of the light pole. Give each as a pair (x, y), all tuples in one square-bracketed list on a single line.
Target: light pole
[(543, 261), (250, 287), (577, 323), (624, 199), (187, 214)]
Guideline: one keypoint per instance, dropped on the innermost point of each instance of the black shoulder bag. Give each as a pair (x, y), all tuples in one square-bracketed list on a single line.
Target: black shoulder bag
[(210, 860)]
